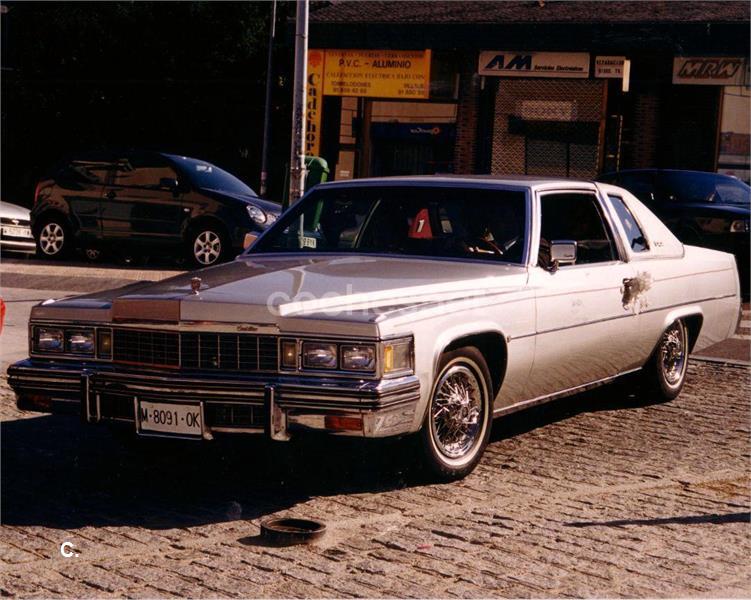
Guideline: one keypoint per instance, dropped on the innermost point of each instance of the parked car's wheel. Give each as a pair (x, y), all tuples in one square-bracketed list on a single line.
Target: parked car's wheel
[(207, 245), (665, 373), (53, 237), (459, 418), (92, 254)]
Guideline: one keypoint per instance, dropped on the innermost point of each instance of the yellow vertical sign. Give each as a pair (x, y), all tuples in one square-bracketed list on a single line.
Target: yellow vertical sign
[(314, 104)]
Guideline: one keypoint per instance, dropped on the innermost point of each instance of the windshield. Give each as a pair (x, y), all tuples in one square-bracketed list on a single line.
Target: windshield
[(415, 221), (705, 187), (203, 174)]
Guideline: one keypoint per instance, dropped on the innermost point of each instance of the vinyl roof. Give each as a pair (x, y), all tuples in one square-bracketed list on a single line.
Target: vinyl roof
[(456, 180)]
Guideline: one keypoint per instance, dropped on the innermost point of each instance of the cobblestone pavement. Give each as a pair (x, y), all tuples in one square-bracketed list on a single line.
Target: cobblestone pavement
[(597, 495)]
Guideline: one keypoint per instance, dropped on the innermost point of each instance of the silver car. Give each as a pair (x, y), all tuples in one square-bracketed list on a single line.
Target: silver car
[(15, 229), (420, 307)]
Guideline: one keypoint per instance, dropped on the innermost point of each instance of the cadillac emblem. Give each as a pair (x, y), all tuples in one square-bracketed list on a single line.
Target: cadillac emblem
[(195, 285)]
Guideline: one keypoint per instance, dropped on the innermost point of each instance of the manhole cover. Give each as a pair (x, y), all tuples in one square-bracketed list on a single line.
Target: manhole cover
[(291, 531)]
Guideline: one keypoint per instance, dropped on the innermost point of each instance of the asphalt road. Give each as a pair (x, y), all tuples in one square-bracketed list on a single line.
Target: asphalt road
[(601, 494)]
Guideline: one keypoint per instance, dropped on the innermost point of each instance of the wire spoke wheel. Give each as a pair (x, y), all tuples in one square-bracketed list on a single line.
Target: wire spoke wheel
[(52, 238), (207, 247), (457, 412), (672, 354)]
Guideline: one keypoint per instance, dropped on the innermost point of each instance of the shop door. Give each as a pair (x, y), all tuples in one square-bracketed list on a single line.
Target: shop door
[(548, 128)]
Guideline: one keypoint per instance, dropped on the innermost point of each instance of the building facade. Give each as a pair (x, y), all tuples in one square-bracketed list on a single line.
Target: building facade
[(550, 88)]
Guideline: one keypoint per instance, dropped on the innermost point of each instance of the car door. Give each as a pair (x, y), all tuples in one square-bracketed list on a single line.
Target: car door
[(81, 181), (584, 332), (142, 203)]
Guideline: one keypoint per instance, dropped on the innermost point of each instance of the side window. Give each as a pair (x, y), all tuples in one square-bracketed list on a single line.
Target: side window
[(81, 172), (578, 217), (142, 171), (634, 234)]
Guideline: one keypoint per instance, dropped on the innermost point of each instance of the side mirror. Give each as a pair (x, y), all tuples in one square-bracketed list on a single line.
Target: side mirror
[(562, 252)]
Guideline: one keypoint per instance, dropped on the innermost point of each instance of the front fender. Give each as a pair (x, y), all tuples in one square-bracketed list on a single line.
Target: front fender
[(448, 336)]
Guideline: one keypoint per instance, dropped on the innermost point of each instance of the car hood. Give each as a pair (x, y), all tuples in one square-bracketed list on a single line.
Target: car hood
[(266, 205), (272, 289), (12, 211)]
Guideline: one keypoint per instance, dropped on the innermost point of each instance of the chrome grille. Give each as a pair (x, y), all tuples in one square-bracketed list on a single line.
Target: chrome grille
[(212, 351), (18, 223), (234, 415), (146, 347)]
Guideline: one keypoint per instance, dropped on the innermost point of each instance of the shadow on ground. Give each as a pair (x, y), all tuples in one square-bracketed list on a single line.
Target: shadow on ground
[(59, 473)]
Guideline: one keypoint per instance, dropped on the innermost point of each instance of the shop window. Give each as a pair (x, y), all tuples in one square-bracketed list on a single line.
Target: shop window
[(444, 76)]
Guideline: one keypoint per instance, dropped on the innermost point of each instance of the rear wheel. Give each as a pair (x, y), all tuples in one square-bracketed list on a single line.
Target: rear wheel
[(53, 238), (665, 373), (458, 420)]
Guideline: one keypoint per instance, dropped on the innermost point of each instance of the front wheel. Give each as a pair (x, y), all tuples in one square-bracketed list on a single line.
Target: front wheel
[(208, 245), (458, 420), (53, 238), (665, 373)]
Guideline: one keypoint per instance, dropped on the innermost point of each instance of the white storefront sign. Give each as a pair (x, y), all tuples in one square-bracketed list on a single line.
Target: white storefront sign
[(709, 70), (609, 67), (506, 63)]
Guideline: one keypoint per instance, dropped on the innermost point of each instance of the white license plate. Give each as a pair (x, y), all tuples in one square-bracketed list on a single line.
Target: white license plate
[(179, 419), (11, 231)]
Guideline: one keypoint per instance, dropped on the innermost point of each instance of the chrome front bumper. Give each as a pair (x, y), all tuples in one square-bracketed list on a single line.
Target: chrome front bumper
[(275, 405)]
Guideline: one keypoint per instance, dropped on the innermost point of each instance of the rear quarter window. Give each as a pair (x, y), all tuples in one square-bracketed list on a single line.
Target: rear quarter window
[(634, 234)]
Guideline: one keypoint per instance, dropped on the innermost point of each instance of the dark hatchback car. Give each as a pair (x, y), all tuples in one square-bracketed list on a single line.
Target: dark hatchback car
[(146, 203), (702, 209)]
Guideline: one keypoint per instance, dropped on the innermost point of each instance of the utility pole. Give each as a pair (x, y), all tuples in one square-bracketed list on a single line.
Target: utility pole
[(297, 153), (267, 109)]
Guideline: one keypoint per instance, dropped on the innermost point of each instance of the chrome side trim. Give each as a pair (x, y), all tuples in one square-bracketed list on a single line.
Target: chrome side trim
[(643, 312), (506, 410)]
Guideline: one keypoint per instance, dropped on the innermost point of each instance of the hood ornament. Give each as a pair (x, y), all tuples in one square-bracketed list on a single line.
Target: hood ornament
[(195, 285)]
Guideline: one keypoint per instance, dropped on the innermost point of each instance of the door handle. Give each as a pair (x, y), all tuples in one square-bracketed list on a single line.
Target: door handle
[(111, 195)]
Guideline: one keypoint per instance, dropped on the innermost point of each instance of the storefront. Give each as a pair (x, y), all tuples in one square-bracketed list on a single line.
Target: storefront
[(382, 112), (569, 94)]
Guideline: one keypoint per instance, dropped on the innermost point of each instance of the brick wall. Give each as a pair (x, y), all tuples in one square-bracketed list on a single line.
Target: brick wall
[(643, 132), (468, 106)]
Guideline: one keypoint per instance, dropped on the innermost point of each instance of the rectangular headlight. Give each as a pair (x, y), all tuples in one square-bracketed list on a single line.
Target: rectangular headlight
[(80, 341), (319, 355), (360, 357), (48, 339), (397, 356)]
